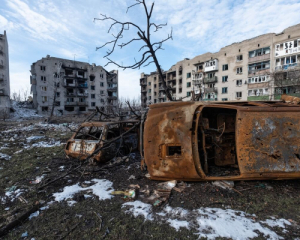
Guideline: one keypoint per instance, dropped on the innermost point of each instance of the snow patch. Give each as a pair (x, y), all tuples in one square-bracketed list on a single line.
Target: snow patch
[(4, 157), (139, 208), (101, 188), (211, 223)]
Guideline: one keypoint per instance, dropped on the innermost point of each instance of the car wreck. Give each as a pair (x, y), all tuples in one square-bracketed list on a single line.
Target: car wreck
[(102, 141), (200, 141)]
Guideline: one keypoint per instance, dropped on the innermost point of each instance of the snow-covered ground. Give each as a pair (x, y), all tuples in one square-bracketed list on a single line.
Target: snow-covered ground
[(209, 223)]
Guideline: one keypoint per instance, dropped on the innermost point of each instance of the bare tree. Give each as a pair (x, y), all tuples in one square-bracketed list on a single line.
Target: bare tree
[(148, 48), (286, 81)]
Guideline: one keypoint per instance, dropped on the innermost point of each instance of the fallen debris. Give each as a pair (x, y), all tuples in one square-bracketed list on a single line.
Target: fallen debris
[(224, 184), (19, 220)]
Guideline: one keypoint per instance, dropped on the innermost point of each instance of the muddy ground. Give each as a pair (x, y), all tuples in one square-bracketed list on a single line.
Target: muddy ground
[(59, 220)]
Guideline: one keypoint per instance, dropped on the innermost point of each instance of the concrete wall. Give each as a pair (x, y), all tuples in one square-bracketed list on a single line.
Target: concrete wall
[(4, 75), (81, 87), (253, 78)]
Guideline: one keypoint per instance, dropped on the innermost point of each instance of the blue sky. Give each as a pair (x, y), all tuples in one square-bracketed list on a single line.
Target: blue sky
[(62, 28)]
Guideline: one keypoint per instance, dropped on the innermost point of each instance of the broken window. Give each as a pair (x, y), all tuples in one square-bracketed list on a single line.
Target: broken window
[(82, 109), (239, 70), (92, 77), (70, 100), (57, 103), (180, 90), (225, 67), (102, 100), (44, 109), (57, 94), (224, 99), (239, 82), (101, 84), (102, 92), (92, 95), (44, 88), (93, 104), (69, 72), (44, 98), (224, 78), (239, 58), (80, 74), (69, 109), (154, 85), (43, 68), (238, 94), (43, 78), (92, 87), (69, 81)]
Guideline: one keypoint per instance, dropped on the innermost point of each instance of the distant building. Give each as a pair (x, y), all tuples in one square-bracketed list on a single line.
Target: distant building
[(4, 75), (74, 87), (241, 71)]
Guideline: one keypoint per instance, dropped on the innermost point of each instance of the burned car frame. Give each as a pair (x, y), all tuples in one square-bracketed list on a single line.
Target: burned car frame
[(91, 136), (197, 141)]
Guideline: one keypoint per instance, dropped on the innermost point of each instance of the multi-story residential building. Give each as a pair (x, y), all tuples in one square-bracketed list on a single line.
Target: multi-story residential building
[(242, 71), (4, 76), (72, 87)]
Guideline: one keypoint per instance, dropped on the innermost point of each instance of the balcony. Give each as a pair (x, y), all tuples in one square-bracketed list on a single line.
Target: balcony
[(82, 85), (211, 65), (112, 98), (287, 66), (70, 103), (82, 94), (112, 88), (279, 53), (259, 58), (196, 82), (211, 90), (82, 104), (70, 94), (143, 83), (211, 80), (252, 73)]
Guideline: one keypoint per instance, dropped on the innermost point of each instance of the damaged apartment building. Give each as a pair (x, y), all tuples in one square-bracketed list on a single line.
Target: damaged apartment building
[(4, 76), (72, 87), (242, 71)]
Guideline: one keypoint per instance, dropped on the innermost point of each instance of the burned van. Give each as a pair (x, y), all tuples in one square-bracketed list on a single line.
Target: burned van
[(91, 136), (197, 141)]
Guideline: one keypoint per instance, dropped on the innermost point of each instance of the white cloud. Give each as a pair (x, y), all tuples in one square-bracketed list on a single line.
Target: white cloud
[(63, 28)]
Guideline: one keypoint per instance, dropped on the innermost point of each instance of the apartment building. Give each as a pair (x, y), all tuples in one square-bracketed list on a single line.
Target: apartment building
[(4, 76), (72, 87), (242, 71)]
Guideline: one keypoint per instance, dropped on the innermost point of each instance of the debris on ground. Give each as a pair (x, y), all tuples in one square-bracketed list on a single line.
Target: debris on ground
[(224, 184)]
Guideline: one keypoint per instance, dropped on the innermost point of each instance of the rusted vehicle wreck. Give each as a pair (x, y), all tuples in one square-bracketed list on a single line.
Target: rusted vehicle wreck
[(92, 136), (197, 141)]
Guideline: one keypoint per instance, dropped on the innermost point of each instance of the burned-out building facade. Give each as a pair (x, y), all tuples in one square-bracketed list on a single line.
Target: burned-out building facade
[(244, 71), (4, 75), (72, 87)]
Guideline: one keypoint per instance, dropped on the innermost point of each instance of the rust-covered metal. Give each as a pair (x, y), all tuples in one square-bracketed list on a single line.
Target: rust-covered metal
[(198, 141), (91, 136)]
